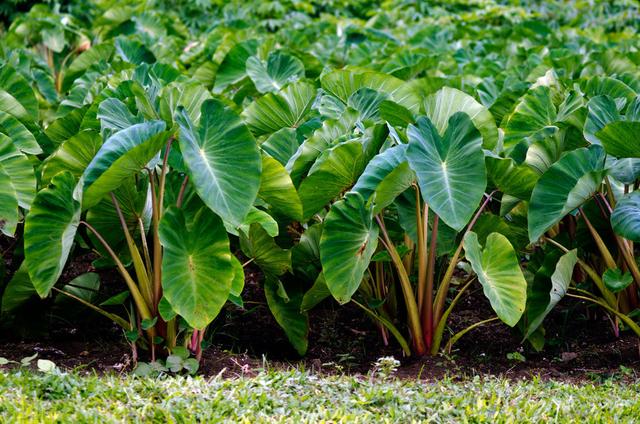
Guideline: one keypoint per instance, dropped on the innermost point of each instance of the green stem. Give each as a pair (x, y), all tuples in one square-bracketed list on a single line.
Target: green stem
[(59, 76), (441, 294), (133, 288), (427, 312), (422, 216), (439, 331), (407, 291), (163, 175), (172, 332), (145, 249), (157, 247), (606, 254), (409, 257), (138, 264), (181, 192)]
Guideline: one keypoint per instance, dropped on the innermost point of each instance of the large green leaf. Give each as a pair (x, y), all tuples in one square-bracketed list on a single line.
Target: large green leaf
[(73, 155), (232, 68), (260, 217), (259, 246), (305, 256), (16, 96), (8, 204), (279, 70), (20, 171), (133, 51), (287, 313), (533, 118), (612, 87), (615, 280), (122, 155), (334, 172), (223, 160), (602, 110), (188, 95), (395, 114), (546, 296), (196, 265), (237, 284), (513, 229), (85, 286), (498, 270), (439, 108), (21, 137), (66, 126), (566, 185), (625, 219), (386, 175), (621, 139), (511, 178), (626, 170), (450, 169), (17, 291), (277, 189), (115, 116), (367, 102), (282, 145), (49, 230), (331, 132), (349, 239), (316, 294), (343, 83), (285, 109)]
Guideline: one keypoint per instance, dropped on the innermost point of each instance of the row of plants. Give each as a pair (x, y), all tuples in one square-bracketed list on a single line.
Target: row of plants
[(389, 156)]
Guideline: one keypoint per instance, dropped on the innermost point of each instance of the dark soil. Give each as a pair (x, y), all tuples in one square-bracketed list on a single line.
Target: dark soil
[(580, 346)]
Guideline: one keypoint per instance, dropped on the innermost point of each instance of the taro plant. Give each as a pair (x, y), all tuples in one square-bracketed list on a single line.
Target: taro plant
[(586, 201), (412, 213), (172, 222), (342, 153)]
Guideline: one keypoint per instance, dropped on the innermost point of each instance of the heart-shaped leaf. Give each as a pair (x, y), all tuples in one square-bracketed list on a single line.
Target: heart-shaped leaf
[(566, 185), (602, 110), (621, 139), (284, 109), (121, 156), (450, 169), (73, 155), (20, 171), (349, 239), (498, 270), (49, 230), (223, 160), (279, 70), (441, 106), (625, 219), (277, 189), (332, 174), (196, 265), (533, 118)]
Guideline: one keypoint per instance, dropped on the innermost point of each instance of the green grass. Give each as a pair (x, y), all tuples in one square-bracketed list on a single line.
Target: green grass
[(294, 396)]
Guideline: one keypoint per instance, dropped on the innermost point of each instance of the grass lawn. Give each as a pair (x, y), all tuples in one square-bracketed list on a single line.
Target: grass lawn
[(295, 396)]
